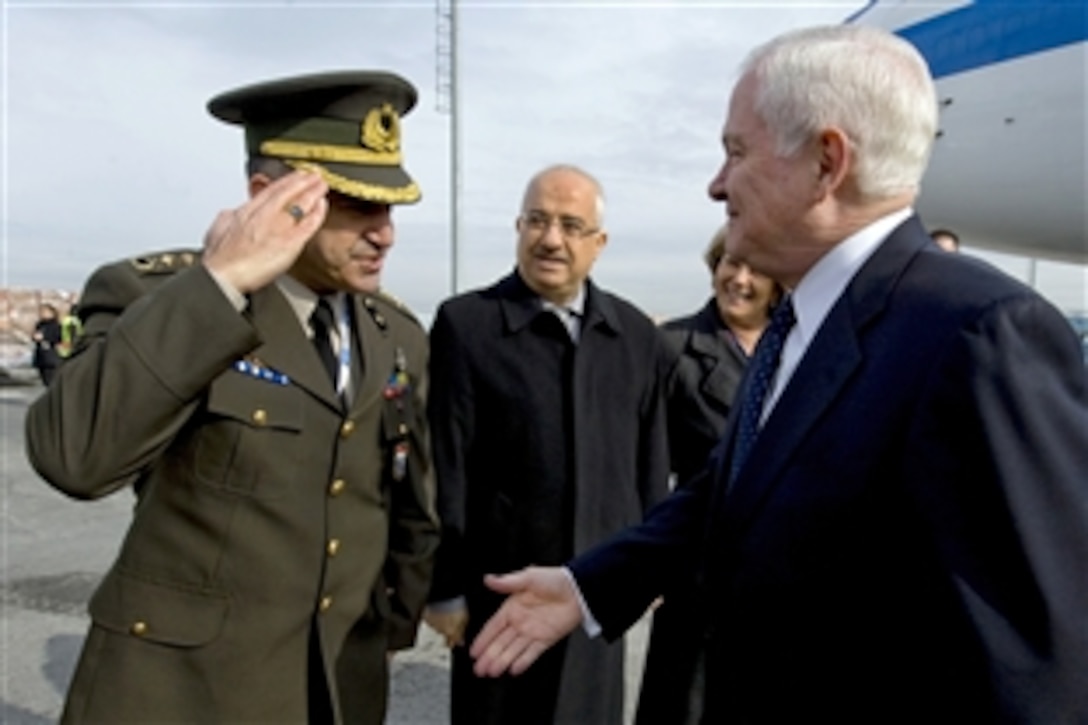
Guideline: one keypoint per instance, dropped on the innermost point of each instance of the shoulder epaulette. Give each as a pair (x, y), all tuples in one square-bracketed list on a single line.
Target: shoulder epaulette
[(165, 262), (390, 302)]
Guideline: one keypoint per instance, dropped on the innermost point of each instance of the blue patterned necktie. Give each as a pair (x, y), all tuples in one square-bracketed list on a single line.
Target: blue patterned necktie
[(764, 363)]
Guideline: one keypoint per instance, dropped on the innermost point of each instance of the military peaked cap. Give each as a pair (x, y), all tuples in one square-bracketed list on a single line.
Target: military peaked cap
[(345, 125)]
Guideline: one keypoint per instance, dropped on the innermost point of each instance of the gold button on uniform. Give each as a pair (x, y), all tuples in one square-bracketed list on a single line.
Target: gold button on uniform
[(402, 429), (333, 547), (260, 416), (139, 628), (337, 487), (325, 603), (347, 428)]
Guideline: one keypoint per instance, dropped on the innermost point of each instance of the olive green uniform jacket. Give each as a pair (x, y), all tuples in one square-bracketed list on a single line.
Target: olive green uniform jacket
[(264, 512)]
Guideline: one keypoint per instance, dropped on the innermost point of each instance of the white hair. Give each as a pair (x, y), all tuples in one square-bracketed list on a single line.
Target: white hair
[(874, 86), (572, 169)]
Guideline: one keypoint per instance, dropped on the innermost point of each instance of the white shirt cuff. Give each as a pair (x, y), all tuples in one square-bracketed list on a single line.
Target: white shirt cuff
[(589, 623)]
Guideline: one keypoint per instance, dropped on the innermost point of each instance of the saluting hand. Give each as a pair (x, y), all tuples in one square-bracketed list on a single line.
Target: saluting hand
[(541, 610), (250, 246)]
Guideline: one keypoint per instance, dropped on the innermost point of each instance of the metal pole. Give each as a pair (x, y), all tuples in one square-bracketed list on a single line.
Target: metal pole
[(455, 153)]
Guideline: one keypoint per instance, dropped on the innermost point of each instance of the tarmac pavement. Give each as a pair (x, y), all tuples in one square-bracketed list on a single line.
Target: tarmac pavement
[(53, 551)]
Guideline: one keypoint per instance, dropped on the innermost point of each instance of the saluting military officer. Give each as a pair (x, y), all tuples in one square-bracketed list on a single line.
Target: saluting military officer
[(265, 400)]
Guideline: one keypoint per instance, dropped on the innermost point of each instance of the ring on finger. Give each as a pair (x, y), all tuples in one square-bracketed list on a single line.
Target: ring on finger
[(296, 213)]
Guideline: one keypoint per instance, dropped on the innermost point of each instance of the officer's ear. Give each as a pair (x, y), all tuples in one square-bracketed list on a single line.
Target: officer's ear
[(257, 183)]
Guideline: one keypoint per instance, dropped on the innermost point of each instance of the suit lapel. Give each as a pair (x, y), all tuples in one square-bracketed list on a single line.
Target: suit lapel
[(827, 366), (285, 346)]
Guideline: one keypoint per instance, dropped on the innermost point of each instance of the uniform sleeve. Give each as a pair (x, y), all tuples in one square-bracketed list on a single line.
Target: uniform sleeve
[(413, 529), (451, 413), (1004, 488), (139, 369)]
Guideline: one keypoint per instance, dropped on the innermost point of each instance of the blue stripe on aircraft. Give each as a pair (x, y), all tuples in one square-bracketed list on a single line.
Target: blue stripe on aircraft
[(992, 31)]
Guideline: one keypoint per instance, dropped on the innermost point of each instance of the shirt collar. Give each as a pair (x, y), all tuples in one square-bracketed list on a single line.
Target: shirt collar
[(570, 314), (824, 283), (303, 300), (575, 306)]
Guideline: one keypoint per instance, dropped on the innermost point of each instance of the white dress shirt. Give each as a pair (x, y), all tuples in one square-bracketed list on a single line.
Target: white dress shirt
[(820, 289), (570, 314)]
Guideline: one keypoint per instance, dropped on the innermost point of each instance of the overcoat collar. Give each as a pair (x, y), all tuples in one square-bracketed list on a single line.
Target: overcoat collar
[(520, 305), (829, 363), (720, 356), (708, 322)]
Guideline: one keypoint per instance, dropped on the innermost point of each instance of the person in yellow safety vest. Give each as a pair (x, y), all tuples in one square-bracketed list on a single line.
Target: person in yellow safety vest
[(70, 327)]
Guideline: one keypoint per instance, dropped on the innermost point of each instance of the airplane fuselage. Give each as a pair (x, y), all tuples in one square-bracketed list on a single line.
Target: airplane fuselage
[(1009, 166)]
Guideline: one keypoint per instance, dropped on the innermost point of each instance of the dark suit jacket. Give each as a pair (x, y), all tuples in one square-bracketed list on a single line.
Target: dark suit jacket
[(542, 449), (264, 512), (908, 540)]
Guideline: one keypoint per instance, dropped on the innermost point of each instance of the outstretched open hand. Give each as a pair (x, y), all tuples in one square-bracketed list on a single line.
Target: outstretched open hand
[(542, 609)]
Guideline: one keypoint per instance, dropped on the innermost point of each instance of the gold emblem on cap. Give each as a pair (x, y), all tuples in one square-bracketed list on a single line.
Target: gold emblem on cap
[(381, 129)]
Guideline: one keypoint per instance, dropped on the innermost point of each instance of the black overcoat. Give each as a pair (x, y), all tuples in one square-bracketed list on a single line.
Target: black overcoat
[(542, 449), (705, 369)]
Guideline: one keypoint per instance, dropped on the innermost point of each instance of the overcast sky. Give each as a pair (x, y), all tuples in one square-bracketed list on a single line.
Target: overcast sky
[(108, 151)]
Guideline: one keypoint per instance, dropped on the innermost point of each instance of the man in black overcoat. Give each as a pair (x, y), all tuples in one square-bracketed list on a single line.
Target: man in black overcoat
[(549, 435)]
